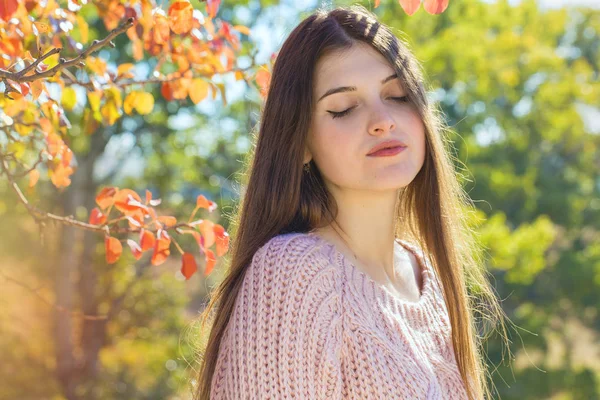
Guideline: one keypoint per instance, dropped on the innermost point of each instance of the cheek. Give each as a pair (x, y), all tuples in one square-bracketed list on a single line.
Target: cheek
[(335, 150)]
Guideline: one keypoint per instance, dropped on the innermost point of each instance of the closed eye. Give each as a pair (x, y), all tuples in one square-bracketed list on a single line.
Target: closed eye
[(403, 99)]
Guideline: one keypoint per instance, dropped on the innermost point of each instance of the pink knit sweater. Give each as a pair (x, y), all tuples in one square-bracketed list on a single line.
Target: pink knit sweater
[(307, 324)]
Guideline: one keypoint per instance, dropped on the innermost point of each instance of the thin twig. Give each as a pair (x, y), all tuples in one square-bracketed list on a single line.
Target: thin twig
[(96, 45)]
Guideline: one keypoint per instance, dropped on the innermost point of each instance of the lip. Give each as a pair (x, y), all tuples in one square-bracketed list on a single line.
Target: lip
[(386, 144), (388, 152)]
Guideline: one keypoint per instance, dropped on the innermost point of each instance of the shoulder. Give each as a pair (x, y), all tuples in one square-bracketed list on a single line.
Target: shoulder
[(285, 331), (292, 252)]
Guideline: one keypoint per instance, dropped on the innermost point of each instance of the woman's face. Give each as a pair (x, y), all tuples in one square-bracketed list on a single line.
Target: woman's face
[(376, 112)]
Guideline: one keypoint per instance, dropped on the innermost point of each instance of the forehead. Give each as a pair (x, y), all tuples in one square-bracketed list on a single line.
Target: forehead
[(351, 67)]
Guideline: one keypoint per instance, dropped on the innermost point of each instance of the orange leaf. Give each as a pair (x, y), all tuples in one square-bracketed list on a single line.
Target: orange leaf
[(208, 233), (166, 90), (410, 6), (167, 220), (105, 198), (242, 29), (34, 176), (199, 240), (147, 240), (376, 3), (210, 262), (435, 6), (135, 218), (222, 239), (188, 265), (203, 202), (128, 201), (263, 78), (212, 6), (8, 8), (181, 17), (135, 249), (60, 176), (113, 249), (97, 217), (161, 248)]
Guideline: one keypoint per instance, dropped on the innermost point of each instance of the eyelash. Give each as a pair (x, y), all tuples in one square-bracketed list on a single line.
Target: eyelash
[(340, 114)]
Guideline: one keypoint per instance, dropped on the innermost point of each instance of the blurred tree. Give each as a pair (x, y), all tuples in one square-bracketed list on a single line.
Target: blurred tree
[(100, 313), (514, 83)]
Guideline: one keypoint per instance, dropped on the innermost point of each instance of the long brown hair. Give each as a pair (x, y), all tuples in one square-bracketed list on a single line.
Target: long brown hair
[(433, 210)]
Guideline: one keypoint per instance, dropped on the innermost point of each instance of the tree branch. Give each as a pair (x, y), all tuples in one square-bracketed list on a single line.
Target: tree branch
[(96, 45)]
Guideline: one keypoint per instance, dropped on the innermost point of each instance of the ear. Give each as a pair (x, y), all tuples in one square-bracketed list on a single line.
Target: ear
[(307, 156)]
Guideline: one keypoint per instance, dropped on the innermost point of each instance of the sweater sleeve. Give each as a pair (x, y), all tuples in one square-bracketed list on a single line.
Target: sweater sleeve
[(284, 337)]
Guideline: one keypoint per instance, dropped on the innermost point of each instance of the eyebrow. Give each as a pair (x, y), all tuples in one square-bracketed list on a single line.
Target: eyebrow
[(351, 88)]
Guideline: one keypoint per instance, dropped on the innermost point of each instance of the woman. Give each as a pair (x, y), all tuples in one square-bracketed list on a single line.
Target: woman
[(348, 266)]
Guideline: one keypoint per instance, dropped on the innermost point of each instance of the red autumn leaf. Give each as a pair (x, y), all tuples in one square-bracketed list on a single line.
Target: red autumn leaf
[(222, 244), (222, 239), (113, 249), (188, 265), (212, 6), (410, 6), (24, 89), (149, 200), (105, 198), (8, 8), (181, 17), (161, 248), (210, 262), (135, 249), (127, 201), (263, 79), (167, 91), (147, 240), (435, 6), (135, 218), (97, 217), (203, 202), (199, 239)]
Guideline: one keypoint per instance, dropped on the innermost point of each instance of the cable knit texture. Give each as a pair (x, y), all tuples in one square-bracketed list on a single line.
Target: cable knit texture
[(308, 324)]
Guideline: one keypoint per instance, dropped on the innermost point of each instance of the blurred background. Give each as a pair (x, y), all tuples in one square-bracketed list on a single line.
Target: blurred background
[(518, 82)]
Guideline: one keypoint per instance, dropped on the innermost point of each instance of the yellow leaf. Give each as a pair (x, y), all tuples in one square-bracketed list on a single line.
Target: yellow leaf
[(129, 102), (83, 29), (113, 94), (96, 65), (242, 29), (69, 98), (198, 90), (145, 103), (16, 147), (42, 26), (27, 123), (123, 68), (239, 75), (110, 112), (94, 99)]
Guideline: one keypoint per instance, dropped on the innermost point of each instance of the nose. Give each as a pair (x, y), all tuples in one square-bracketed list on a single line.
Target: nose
[(381, 122)]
